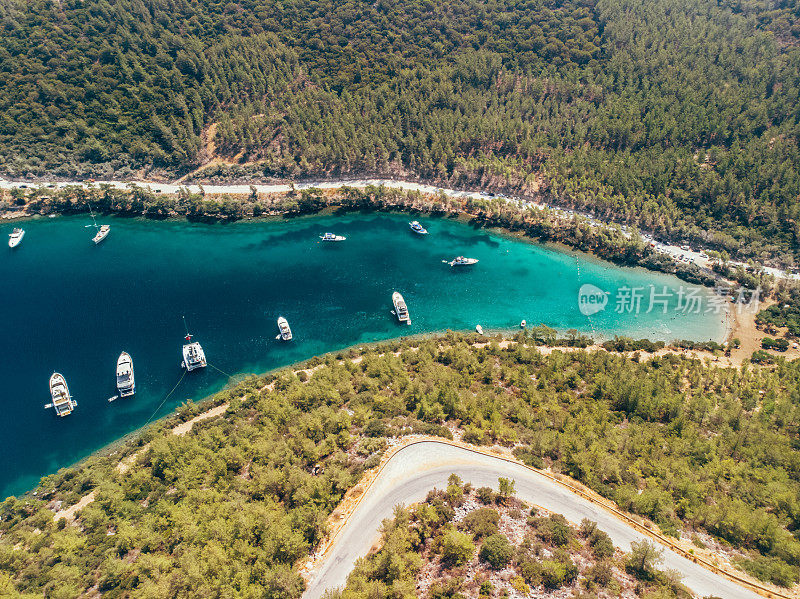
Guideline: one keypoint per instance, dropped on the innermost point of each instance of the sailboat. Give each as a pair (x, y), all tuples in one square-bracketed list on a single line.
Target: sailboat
[(102, 230)]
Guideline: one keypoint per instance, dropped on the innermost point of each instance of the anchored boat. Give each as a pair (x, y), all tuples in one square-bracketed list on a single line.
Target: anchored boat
[(479, 329), (193, 356), (400, 308), (332, 237), (461, 261), (285, 331), (102, 233), (63, 403), (418, 228), (15, 237), (126, 384)]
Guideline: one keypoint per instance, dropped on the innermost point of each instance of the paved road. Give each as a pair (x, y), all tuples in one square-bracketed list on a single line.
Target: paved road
[(417, 469)]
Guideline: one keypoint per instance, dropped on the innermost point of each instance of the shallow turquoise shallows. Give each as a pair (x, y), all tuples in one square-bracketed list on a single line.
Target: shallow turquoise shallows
[(72, 307)]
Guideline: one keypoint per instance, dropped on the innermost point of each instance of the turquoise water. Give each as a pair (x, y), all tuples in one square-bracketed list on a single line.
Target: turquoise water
[(70, 306)]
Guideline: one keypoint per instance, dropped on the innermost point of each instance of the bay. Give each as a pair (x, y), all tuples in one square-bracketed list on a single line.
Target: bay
[(72, 307)]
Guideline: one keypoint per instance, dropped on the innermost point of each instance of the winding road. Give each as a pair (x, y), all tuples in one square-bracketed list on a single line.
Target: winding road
[(416, 469)]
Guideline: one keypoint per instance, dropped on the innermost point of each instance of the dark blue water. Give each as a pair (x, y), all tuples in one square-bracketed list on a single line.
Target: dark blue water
[(70, 306)]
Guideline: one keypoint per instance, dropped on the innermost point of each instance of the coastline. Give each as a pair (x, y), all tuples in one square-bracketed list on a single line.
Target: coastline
[(125, 446), (217, 404), (513, 216)]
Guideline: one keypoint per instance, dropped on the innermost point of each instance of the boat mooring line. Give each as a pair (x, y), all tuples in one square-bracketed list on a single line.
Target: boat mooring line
[(244, 375), (180, 380), (230, 376)]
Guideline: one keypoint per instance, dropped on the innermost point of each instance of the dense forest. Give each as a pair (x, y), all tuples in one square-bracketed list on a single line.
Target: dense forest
[(678, 117), (230, 507), (466, 542)]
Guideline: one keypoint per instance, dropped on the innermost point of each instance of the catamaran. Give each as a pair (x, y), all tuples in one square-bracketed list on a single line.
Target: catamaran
[(125, 381), (193, 356), (285, 331), (461, 261), (418, 228), (15, 237), (63, 403), (400, 308), (332, 237)]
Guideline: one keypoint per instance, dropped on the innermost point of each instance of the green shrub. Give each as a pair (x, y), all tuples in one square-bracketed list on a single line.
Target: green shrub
[(496, 551), (457, 548), (482, 522), (486, 495), (770, 569)]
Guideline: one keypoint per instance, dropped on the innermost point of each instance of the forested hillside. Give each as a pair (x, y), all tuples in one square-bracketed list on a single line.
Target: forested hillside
[(676, 116), (229, 508)]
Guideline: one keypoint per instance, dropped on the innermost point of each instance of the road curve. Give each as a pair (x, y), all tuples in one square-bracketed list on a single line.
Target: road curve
[(414, 470)]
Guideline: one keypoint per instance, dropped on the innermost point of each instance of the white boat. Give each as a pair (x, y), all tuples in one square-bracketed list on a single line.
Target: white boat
[(285, 331), (102, 233), (400, 308), (523, 324), (193, 356), (461, 261), (418, 228), (15, 237), (332, 237), (63, 403), (126, 385), (479, 329)]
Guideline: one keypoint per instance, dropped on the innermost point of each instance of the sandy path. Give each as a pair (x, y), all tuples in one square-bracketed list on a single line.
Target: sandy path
[(124, 465)]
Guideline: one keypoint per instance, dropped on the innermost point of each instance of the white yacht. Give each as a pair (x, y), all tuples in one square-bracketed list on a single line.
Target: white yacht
[(400, 308), (63, 403), (479, 329), (102, 233), (461, 261), (285, 331), (332, 237), (193, 356), (15, 237), (418, 228), (125, 381)]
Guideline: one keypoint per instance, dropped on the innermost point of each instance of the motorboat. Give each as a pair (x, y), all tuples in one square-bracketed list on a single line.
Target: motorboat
[(102, 233), (285, 331), (418, 228), (15, 237), (63, 403), (479, 329), (126, 384), (523, 324), (193, 356), (400, 308), (461, 261), (332, 237)]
